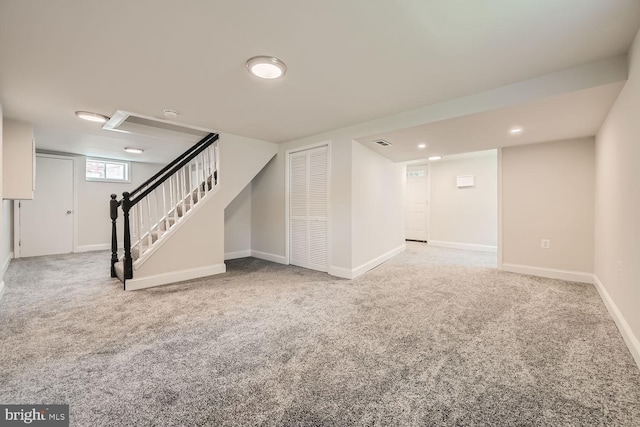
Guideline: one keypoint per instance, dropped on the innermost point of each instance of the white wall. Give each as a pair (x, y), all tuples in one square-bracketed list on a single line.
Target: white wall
[(378, 214), (92, 214), (617, 207), (198, 249), (268, 206), (5, 236), (464, 217), (548, 193), (237, 226)]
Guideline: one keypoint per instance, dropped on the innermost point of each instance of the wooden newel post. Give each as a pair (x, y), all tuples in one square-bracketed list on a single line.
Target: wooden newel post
[(128, 261), (113, 210)]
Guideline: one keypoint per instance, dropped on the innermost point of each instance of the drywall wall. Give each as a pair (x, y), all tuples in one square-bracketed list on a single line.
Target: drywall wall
[(378, 214), (617, 207), (18, 160), (203, 233), (464, 217), (237, 226), (92, 214), (4, 236), (548, 193), (268, 223)]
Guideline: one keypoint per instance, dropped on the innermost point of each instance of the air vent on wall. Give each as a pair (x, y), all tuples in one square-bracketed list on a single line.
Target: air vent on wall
[(382, 143), (124, 121)]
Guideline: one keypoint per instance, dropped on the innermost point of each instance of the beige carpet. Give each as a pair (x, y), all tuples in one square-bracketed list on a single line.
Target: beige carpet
[(432, 337)]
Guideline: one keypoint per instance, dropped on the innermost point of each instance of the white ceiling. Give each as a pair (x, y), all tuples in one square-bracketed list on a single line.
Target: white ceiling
[(348, 61), (567, 116)]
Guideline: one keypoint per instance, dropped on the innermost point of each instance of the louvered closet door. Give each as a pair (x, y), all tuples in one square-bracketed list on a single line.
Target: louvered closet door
[(308, 209)]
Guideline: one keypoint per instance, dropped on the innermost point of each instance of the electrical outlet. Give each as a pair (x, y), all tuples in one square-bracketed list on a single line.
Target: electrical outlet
[(545, 243), (619, 268)]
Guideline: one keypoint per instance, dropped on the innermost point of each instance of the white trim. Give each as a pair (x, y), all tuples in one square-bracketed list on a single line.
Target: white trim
[(173, 277), (100, 247), (346, 273), (466, 246), (237, 254), (1, 289), (363, 268), (269, 257), (625, 330), (552, 273), (5, 264)]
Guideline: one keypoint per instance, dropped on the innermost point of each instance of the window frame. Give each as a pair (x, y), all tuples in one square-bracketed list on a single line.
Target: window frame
[(125, 163)]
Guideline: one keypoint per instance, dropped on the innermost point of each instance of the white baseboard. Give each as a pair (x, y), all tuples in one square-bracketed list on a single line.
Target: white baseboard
[(625, 330), (173, 277), (363, 268), (1, 289), (346, 273), (237, 254), (5, 264), (269, 257), (552, 273), (102, 247), (466, 246)]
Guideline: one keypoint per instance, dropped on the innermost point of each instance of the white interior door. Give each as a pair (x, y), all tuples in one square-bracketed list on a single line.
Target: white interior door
[(308, 209), (417, 203), (46, 222)]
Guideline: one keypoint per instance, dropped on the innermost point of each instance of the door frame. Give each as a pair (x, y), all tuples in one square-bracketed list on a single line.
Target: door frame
[(287, 195), (16, 205)]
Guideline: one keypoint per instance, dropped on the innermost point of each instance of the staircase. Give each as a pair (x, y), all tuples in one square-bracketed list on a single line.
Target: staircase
[(155, 210)]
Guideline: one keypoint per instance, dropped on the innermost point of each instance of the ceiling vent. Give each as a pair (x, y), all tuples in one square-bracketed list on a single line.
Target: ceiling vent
[(382, 143), (126, 122)]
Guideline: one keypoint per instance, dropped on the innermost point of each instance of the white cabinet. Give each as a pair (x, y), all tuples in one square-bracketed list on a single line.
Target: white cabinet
[(18, 160)]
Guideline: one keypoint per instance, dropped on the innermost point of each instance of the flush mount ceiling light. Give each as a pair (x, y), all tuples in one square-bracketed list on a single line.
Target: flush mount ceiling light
[(432, 158), (92, 117), (515, 131), (133, 150), (266, 67), (172, 114), (421, 146)]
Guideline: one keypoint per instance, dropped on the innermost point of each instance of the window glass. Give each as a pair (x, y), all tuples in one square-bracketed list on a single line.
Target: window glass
[(107, 170)]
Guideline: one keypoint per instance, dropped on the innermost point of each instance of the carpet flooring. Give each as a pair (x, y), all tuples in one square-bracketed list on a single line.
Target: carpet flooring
[(433, 337)]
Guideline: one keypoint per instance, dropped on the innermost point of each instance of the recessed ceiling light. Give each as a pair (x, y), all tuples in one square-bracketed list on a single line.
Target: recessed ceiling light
[(515, 131), (432, 158), (266, 67), (92, 117), (172, 114), (133, 150), (422, 146)]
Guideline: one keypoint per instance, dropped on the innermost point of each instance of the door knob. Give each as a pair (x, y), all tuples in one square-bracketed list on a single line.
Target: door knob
[(68, 212)]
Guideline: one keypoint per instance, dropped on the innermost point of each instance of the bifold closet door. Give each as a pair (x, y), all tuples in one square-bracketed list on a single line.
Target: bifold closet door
[(308, 209)]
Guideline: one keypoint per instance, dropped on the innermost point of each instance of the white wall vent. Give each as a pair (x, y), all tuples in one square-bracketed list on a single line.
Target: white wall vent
[(124, 121), (382, 142)]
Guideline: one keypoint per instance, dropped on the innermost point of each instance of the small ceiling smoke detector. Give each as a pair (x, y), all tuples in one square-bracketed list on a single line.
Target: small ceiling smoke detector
[(133, 150), (266, 67), (515, 131), (172, 114), (382, 143), (433, 158), (92, 117)]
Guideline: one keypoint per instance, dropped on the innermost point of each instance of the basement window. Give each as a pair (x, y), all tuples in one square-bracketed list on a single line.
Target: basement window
[(107, 170)]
